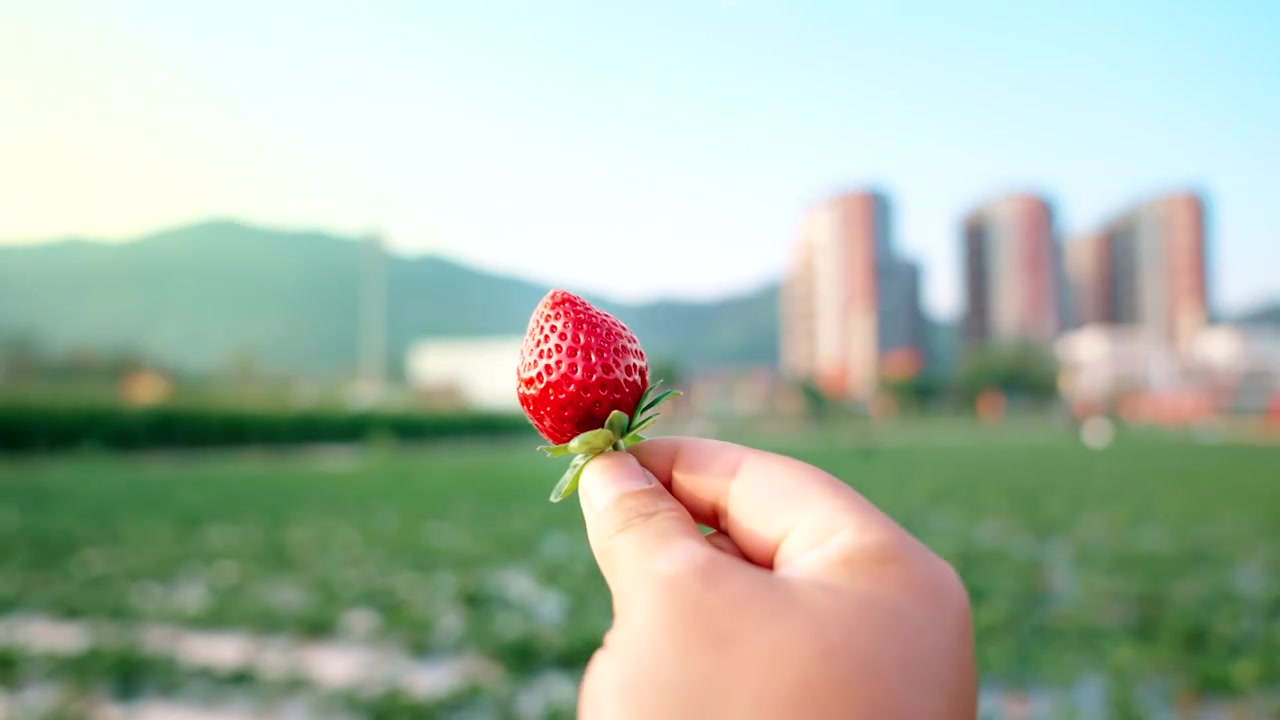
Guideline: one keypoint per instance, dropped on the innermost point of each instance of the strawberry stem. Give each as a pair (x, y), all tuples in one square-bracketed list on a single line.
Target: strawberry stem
[(658, 401), (569, 481), (617, 423), (592, 442), (619, 433), (555, 450)]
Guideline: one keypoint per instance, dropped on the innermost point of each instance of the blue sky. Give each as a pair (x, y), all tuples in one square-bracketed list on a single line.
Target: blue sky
[(667, 149)]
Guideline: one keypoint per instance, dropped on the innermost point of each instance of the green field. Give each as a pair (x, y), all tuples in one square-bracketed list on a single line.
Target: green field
[(1136, 579)]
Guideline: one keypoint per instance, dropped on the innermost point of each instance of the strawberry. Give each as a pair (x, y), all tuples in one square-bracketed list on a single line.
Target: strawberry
[(583, 381), (578, 364)]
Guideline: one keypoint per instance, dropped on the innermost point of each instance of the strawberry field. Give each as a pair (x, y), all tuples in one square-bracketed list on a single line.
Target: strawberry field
[(375, 581)]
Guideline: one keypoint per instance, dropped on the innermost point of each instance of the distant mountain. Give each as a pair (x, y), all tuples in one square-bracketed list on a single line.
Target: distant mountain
[(196, 296)]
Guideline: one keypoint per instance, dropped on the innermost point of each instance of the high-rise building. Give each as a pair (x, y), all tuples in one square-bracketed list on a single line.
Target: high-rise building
[(847, 298), (1012, 272), (1146, 268), (1088, 272), (901, 319)]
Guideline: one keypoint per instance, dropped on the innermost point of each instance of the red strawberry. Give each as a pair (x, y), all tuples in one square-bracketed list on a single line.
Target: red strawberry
[(582, 377), (578, 364)]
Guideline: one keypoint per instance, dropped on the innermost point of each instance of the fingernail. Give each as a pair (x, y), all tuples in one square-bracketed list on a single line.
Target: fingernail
[(610, 475)]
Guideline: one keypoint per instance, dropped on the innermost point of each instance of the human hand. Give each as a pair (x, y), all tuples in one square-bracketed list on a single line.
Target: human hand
[(806, 602)]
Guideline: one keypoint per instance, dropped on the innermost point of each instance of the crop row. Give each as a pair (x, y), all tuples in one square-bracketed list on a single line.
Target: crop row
[(36, 428)]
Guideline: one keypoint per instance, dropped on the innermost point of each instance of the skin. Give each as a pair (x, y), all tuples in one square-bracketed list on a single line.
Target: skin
[(805, 602)]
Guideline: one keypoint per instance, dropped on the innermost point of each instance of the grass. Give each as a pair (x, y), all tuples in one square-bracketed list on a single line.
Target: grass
[(1155, 561)]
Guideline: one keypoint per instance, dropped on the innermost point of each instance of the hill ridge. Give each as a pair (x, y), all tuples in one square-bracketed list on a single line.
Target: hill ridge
[(197, 295)]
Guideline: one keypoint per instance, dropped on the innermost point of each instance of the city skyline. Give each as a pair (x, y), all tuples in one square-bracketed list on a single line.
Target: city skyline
[(509, 137), (1078, 260)]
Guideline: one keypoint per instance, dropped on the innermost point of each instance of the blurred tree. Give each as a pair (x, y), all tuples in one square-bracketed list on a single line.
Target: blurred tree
[(914, 393), (25, 359), (1019, 370), (816, 404)]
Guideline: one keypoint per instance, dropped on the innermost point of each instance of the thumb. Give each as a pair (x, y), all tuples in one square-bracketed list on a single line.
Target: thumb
[(634, 525)]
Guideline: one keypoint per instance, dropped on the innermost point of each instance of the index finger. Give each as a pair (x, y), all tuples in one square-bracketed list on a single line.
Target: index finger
[(774, 507)]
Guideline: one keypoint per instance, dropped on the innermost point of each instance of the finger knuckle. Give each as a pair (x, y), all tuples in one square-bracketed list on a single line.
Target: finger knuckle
[(633, 516), (854, 550), (686, 561)]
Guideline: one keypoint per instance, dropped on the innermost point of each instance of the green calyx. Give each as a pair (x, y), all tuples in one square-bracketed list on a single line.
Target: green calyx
[(619, 433)]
